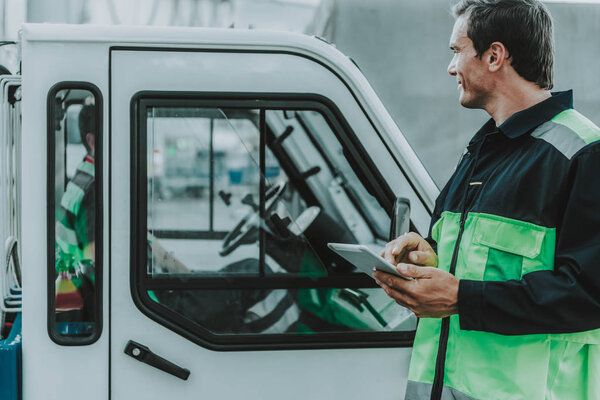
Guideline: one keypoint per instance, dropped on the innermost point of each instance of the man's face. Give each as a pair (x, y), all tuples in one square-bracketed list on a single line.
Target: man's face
[(470, 71)]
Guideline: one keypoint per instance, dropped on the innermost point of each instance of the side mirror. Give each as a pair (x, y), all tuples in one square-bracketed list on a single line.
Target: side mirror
[(400, 218)]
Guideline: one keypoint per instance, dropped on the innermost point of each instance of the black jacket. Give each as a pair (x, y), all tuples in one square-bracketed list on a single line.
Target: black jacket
[(549, 177)]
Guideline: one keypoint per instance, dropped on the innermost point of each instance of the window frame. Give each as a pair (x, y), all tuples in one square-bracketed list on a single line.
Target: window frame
[(141, 283), (51, 219)]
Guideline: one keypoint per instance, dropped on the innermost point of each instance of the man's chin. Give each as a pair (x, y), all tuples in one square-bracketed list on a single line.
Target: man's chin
[(468, 103)]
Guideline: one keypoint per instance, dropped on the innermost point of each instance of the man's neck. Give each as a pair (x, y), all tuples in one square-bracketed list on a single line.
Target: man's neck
[(514, 98)]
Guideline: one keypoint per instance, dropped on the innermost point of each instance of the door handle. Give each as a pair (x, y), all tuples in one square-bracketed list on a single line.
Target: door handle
[(143, 354)]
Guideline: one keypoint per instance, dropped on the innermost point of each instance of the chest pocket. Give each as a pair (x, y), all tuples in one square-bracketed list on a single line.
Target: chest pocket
[(514, 248)]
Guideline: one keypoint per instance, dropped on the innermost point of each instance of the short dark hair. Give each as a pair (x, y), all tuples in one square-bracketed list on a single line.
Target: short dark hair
[(87, 123), (523, 26)]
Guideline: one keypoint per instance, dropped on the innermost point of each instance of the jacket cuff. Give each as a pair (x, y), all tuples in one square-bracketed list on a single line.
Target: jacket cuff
[(432, 243), (470, 305)]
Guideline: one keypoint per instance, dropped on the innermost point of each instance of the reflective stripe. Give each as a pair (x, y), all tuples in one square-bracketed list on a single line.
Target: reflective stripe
[(77, 187), (579, 124), (563, 138), (265, 306), (290, 316), (66, 234), (72, 198), (86, 167), (275, 313), (67, 248), (420, 390)]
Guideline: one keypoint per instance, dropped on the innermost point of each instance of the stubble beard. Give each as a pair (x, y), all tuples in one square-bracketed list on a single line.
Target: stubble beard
[(472, 101)]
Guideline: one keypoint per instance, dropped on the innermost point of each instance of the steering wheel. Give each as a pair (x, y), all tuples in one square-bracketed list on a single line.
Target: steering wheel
[(243, 230)]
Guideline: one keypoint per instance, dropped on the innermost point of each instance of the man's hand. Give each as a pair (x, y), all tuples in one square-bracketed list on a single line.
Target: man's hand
[(432, 293), (410, 248)]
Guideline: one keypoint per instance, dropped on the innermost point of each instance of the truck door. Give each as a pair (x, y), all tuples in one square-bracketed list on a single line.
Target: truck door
[(231, 170)]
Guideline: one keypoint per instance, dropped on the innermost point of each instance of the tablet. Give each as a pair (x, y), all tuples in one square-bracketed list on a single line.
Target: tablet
[(364, 258)]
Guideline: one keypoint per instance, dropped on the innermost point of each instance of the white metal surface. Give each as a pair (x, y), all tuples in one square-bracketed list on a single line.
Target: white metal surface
[(51, 371), (10, 136), (298, 374)]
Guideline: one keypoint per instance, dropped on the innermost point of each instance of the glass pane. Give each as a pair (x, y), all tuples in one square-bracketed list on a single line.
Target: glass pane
[(341, 209), (76, 133), (314, 144), (221, 232), (178, 172), (237, 143), (203, 185), (288, 311), (204, 180)]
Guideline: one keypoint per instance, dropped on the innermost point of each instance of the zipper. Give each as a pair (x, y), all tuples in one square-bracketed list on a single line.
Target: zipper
[(440, 362)]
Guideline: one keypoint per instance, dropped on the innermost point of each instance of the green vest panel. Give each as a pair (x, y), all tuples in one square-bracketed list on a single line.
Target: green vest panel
[(484, 365)]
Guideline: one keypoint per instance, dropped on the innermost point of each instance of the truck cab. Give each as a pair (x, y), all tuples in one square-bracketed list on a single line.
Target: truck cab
[(212, 168)]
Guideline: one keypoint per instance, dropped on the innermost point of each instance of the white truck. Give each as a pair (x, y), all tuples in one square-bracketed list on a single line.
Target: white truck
[(228, 295)]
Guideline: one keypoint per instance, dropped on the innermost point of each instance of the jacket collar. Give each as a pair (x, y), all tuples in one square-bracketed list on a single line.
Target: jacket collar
[(526, 120)]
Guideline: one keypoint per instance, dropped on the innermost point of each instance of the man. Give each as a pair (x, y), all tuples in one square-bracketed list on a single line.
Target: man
[(75, 230), (511, 310)]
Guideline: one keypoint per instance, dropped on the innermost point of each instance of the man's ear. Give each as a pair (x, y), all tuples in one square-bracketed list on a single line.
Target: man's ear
[(497, 56), (89, 138)]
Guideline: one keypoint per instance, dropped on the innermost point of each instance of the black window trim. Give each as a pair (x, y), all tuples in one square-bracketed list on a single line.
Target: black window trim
[(141, 283), (98, 182)]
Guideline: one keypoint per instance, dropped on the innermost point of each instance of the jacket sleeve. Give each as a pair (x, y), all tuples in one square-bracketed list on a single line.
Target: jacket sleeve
[(564, 300)]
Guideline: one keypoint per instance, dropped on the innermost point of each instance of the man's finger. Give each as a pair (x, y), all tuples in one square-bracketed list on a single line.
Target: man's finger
[(388, 247), (395, 250), (427, 258), (389, 256), (393, 281), (400, 298), (397, 254), (402, 244), (414, 271), (387, 252)]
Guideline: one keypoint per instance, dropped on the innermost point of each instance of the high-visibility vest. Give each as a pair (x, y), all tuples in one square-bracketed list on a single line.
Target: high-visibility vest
[(483, 365), (486, 365), (67, 239)]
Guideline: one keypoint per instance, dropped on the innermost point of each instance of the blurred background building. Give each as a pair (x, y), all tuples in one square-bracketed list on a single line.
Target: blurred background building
[(400, 45)]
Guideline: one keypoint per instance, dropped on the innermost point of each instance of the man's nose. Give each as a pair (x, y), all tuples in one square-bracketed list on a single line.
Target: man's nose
[(452, 67)]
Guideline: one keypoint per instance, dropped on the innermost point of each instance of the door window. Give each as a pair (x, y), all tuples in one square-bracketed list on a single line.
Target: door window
[(236, 202), (74, 213)]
